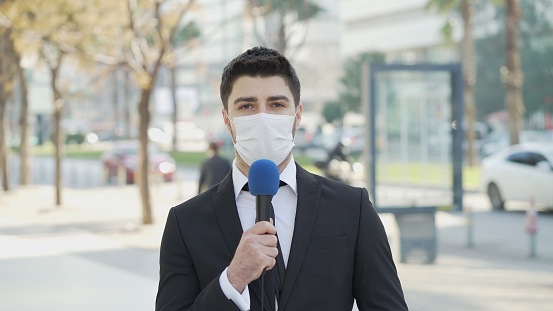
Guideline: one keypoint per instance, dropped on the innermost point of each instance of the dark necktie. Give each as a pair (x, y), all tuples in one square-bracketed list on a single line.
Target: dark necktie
[(247, 188), (274, 278)]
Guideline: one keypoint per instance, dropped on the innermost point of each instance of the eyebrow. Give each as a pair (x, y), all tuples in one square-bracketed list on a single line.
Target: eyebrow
[(278, 97), (245, 99), (254, 99)]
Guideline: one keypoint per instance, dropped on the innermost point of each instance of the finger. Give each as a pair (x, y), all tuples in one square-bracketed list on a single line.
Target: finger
[(271, 263), (262, 227), (270, 251), (268, 240)]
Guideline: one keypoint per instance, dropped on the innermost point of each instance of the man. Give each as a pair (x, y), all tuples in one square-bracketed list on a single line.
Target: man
[(333, 246), (213, 170)]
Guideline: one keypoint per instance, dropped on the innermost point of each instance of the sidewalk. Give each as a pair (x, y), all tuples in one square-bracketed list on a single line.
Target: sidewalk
[(93, 254)]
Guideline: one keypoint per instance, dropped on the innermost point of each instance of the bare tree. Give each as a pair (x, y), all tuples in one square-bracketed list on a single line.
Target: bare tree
[(15, 58), (512, 75), (276, 22), (466, 8), (54, 65), (468, 59), (184, 38), (55, 31), (24, 170), (3, 104), (6, 87), (152, 35)]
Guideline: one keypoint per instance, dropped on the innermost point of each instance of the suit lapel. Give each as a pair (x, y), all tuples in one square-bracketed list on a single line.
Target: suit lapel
[(224, 204), (309, 193)]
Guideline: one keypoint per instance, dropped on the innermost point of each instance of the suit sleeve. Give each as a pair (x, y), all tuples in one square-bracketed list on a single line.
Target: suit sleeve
[(376, 284), (179, 287)]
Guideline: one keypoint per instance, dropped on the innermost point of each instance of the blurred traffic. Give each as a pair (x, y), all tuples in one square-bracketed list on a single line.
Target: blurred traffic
[(519, 173), (124, 156)]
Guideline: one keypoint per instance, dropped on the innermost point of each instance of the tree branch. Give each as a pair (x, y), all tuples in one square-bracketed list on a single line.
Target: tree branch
[(183, 11), (138, 51)]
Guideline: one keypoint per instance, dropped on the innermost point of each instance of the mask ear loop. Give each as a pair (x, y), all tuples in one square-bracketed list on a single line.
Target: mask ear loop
[(294, 129), (232, 135)]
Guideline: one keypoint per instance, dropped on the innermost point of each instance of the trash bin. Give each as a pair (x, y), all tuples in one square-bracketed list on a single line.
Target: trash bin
[(417, 230)]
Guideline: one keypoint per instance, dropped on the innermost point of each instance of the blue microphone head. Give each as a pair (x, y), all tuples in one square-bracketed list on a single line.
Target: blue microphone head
[(263, 178)]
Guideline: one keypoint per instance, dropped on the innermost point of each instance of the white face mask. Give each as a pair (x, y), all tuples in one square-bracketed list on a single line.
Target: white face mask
[(264, 136)]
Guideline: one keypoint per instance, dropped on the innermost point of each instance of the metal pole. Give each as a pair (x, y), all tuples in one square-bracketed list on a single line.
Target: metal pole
[(533, 246), (531, 227), (457, 100), (470, 236)]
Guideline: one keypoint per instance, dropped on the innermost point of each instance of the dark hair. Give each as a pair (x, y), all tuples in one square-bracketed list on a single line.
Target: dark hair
[(213, 146), (259, 62)]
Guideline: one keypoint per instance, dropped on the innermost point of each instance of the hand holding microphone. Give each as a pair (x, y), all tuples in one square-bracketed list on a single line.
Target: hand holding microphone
[(257, 249)]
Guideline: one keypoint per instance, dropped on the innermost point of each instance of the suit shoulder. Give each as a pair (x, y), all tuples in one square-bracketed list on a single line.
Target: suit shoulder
[(336, 185), (346, 195), (196, 203)]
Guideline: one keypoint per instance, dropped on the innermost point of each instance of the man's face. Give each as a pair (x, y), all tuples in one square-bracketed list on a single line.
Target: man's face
[(252, 95)]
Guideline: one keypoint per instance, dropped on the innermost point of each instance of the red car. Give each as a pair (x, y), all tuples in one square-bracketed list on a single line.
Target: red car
[(125, 155)]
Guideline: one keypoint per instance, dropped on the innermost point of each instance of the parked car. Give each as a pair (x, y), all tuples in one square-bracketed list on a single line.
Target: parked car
[(303, 139), (521, 172), (124, 155), (497, 141)]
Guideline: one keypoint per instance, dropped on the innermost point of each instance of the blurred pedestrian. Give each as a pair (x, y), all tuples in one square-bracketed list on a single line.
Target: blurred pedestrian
[(334, 168), (340, 152), (213, 170)]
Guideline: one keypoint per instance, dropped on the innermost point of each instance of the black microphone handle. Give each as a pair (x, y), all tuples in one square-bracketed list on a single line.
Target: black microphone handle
[(263, 207), (263, 213)]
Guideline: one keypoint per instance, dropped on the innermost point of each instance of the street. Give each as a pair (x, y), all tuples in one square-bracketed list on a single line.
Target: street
[(93, 254)]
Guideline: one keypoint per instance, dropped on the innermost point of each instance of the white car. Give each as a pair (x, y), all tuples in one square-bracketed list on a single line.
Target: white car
[(519, 173)]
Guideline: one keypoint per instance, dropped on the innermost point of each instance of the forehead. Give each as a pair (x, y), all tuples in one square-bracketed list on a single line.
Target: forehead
[(260, 87)]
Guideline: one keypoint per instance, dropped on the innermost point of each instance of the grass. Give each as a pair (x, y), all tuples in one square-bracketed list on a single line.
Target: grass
[(188, 158), (393, 172), (71, 151), (433, 174)]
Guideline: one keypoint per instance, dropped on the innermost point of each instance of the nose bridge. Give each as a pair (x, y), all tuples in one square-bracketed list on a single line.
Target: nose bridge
[(263, 105)]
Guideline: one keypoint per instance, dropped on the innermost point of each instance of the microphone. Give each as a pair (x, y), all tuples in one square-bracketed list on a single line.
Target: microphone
[(263, 181)]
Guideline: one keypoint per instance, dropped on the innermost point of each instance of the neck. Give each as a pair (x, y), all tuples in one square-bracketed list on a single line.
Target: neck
[(245, 168)]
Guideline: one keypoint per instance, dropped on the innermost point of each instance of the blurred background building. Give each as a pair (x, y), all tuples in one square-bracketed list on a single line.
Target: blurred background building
[(320, 47)]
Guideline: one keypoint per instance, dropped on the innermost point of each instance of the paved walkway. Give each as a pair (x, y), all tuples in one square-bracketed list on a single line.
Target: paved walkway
[(93, 254)]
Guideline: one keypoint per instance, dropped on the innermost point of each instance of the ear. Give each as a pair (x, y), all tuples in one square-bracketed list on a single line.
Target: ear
[(226, 119), (299, 111)]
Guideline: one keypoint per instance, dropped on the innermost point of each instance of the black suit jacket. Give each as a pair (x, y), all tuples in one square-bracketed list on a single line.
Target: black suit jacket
[(339, 252)]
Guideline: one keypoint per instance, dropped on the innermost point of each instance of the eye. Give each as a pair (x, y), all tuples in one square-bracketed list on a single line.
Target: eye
[(245, 106), (278, 104)]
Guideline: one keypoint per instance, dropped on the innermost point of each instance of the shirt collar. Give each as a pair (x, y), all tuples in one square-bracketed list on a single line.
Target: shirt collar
[(288, 176)]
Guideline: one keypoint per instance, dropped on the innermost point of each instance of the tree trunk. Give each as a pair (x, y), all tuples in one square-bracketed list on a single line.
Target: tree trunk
[(3, 146), (59, 142), (143, 162), (115, 98), (24, 126), (4, 68), (126, 110), (512, 75), (143, 167), (469, 76), (281, 44), (175, 106)]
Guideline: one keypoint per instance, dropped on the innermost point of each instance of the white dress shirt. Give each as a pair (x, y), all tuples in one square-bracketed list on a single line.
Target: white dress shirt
[(284, 204)]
